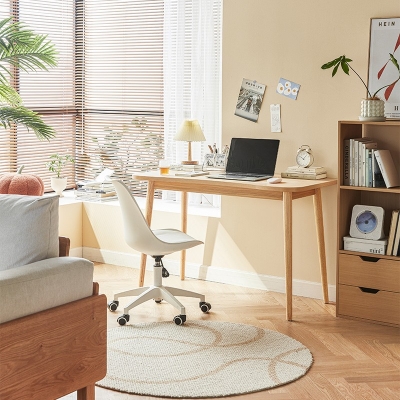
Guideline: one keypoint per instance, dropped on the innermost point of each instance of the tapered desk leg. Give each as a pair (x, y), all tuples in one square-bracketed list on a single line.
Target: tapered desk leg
[(149, 213), (321, 242), (287, 224), (184, 202)]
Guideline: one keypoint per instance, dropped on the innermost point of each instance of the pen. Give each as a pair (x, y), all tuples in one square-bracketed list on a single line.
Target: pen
[(210, 149)]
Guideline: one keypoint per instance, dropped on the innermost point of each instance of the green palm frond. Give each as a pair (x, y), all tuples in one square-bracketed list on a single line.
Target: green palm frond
[(28, 118), (9, 95), (22, 48)]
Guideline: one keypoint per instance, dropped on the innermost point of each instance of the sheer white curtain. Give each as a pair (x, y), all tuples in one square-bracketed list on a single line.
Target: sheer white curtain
[(192, 76)]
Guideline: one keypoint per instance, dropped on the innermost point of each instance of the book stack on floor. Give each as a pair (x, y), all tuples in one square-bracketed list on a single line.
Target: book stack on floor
[(96, 191), (367, 165), (297, 172), (393, 246)]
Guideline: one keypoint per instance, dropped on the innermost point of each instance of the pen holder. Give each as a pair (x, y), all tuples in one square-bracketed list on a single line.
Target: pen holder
[(215, 160)]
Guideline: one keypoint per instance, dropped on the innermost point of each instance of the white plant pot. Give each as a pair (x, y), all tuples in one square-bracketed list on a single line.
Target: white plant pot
[(372, 110), (58, 185)]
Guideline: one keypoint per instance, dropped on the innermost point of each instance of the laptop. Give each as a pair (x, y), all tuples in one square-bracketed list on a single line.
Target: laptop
[(250, 160)]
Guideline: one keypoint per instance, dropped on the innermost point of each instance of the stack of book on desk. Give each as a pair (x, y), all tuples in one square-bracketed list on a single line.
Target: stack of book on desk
[(191, 170), (297, 172), (96, 191)]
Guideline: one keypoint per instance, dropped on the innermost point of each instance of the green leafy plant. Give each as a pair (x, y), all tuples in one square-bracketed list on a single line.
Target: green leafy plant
[(344, 63), (21, 48), (57, 163)]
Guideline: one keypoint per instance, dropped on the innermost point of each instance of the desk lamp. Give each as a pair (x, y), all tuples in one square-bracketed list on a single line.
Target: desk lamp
[(190, 131)]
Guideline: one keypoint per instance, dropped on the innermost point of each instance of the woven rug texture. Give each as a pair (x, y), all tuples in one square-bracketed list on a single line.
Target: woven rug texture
[(201, 359)]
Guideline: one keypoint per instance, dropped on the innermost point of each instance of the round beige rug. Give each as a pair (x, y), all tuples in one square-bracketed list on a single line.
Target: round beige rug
[(201, 359)]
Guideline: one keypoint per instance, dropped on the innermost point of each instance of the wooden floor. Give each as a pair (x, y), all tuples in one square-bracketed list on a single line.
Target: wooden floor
[(352, 359)]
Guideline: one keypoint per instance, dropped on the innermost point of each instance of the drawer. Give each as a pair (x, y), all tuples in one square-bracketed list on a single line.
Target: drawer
[(370, 272), (381, 306)]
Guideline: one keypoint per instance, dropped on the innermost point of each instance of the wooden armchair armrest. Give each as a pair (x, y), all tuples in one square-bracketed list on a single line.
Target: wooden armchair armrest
[(63, 246)]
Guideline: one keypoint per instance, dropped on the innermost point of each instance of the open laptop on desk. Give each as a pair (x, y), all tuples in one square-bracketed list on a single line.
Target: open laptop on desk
[(250, 160)]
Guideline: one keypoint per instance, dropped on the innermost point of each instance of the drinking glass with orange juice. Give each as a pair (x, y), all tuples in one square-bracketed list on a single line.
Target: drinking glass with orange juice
[(164, 166)]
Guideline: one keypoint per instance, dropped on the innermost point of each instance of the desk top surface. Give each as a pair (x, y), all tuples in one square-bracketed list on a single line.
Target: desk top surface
[(183, 183)]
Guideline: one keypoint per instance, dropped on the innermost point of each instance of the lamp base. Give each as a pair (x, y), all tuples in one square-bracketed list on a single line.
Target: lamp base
[(189, 162)]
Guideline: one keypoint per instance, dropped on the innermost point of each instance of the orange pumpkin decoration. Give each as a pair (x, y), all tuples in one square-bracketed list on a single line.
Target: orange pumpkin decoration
[(30, 185)]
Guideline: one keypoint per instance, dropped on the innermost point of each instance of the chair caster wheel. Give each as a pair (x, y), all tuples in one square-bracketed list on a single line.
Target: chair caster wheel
[(180, 319), (123, 319), (158, 301), (113, 305), (204, 306)]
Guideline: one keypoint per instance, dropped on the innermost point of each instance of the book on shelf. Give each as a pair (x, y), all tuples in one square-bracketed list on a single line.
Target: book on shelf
[(396, 241), (307, 170), (295, 175), (392, 232), (363, 171), (387, 168), (377, 177), (346, 162), (357, 155)]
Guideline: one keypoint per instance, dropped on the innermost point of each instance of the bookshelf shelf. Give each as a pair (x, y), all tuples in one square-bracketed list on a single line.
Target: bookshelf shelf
[(368, 189), (368, 285)]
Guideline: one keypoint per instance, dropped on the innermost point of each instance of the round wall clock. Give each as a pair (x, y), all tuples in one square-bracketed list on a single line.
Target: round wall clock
[(304, 156), (367, 222)]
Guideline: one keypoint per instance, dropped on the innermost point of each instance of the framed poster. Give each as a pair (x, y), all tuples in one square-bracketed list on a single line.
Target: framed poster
[(385, 40)]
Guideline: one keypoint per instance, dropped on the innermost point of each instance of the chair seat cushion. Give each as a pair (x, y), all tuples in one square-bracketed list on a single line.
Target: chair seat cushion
[(44, 284)]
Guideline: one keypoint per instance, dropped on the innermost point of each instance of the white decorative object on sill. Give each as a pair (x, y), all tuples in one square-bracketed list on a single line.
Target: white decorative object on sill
[(58, 185), (372, 110)]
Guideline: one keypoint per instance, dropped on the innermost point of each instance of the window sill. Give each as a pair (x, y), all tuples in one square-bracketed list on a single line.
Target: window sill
[(158, 205)]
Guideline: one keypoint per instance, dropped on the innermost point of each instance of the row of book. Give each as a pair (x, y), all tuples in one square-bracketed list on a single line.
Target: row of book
[(393, 242), (297, 172), (367, 165)]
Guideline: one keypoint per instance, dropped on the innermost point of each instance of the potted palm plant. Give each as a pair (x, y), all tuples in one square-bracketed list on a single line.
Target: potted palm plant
[(21, 48), (56, 165), (372, 108)]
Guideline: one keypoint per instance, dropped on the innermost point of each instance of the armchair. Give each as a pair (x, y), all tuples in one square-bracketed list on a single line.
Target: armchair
[(53, 322)]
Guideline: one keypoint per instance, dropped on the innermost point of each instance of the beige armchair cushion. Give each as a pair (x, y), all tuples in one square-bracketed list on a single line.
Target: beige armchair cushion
[(42, 285), (28, 229)]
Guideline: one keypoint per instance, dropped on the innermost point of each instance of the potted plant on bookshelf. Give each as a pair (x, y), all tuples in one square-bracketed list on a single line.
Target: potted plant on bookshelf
[(56, 165), (372, 108)]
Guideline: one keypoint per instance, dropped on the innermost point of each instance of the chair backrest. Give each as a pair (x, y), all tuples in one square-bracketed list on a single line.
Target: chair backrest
[(138, 234)]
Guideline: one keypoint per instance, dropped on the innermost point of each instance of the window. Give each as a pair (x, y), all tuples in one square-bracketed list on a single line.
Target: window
[(51, 93), (129, 72)]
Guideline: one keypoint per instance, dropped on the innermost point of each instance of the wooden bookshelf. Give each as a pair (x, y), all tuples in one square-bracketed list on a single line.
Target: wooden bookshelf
[(368, 285)]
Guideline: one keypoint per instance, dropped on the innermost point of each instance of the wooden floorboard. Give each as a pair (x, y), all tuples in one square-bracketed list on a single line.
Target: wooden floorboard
[(352, 359)]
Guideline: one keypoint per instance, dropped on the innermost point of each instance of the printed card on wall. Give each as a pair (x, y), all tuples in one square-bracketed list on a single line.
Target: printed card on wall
[(249, 101), (288, 88), (385, 40)]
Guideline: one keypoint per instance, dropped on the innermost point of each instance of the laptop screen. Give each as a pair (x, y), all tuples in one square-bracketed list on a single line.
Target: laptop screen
[(252, 156)]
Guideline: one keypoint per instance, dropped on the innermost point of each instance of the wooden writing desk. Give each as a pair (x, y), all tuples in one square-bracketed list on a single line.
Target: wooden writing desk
[(286, 191)]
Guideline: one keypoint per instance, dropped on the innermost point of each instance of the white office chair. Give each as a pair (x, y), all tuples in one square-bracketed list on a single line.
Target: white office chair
[(155, 243)]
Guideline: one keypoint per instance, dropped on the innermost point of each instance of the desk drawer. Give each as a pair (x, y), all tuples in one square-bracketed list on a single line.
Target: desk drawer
[(370, 272), (380, 306)]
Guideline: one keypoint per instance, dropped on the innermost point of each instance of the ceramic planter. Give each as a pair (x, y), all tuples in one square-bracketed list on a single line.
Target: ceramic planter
[(372, 110), (58, 185)]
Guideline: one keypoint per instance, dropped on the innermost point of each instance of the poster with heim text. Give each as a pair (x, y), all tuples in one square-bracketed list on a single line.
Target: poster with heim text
[(385, 40)]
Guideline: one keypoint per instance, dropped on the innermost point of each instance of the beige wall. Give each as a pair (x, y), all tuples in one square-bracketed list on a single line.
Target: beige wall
[(266, 40)]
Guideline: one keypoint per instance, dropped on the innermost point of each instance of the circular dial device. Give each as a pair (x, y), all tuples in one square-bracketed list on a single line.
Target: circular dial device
[(366, 221), (304, 157)]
